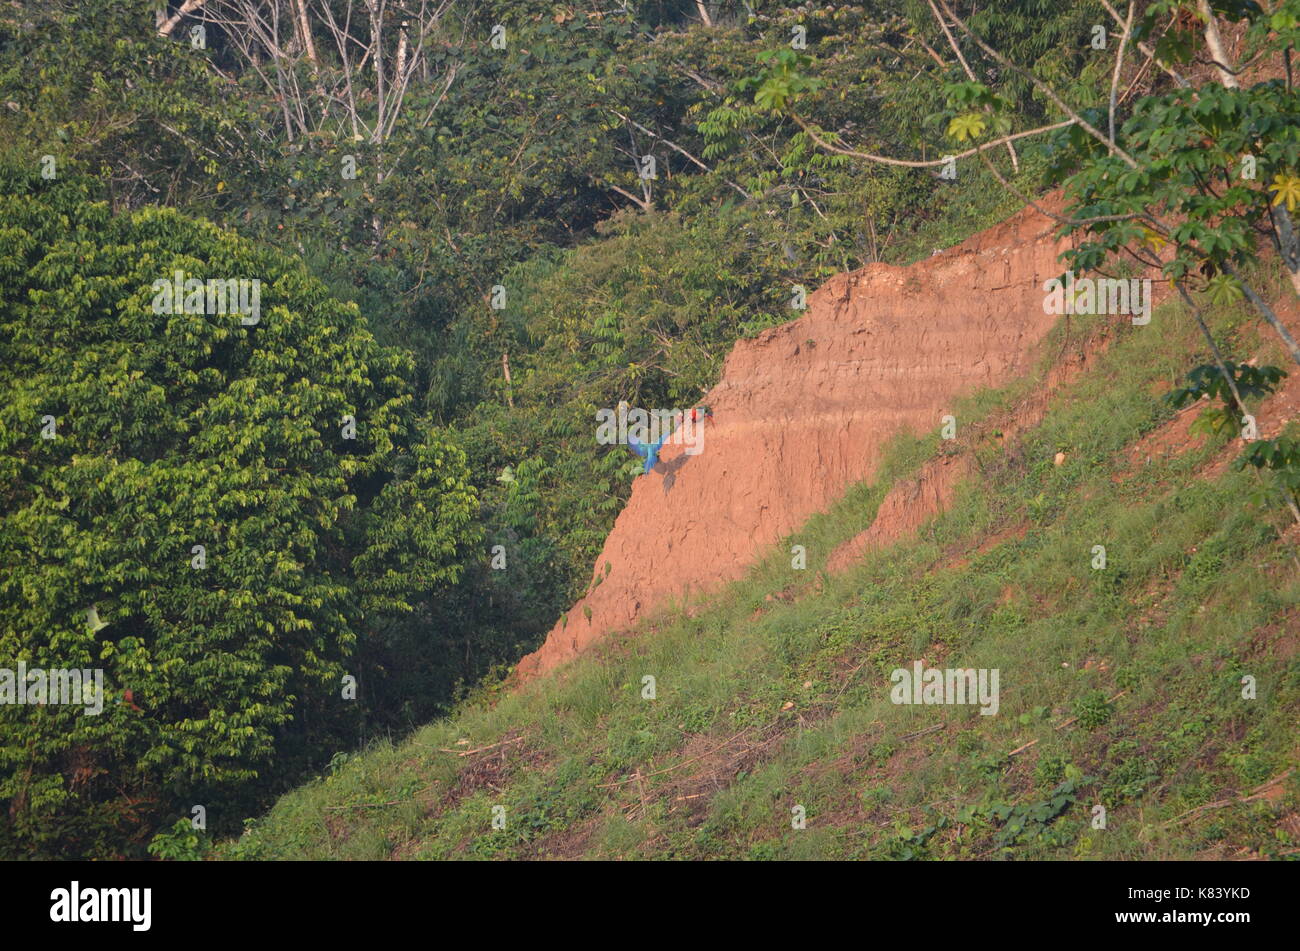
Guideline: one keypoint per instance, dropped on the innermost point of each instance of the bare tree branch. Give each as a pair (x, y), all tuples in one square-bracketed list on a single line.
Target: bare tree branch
[(185, 9), (970, 73), (1042, 87), (912, 163), (1119, 66)]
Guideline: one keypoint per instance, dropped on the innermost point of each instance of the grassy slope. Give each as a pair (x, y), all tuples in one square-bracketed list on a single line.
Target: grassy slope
[(1198, 591)]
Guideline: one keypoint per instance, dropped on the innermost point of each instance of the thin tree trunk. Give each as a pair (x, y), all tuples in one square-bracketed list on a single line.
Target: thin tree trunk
[(377, 49), (304, 33), (1269, 315), (1119, 66), (1288, 242), (402, 44), (1215, 43)]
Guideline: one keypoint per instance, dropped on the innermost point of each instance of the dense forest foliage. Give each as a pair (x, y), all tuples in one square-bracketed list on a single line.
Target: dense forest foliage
[(475, 223)]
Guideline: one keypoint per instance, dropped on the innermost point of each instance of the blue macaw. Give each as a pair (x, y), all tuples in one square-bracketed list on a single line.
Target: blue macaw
[(650, 451), (647, 451)]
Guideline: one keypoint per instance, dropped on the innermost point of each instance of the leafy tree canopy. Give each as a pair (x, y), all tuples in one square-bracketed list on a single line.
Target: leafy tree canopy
[(187, 507)]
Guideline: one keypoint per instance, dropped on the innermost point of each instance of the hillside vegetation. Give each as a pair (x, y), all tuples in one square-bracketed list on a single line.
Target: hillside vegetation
[(391, 218), (1122, 686), (276, 534)]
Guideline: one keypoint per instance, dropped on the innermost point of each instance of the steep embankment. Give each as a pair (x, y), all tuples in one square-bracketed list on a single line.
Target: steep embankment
[(804, 411), (1124, 727)]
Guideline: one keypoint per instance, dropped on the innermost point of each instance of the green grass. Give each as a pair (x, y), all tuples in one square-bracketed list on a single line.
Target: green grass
[(1121, 686)]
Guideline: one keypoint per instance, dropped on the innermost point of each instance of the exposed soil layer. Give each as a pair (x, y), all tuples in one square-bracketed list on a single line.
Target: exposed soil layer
[(805, 410)]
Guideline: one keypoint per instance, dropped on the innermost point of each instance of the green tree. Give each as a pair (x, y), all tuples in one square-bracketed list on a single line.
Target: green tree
[(93, 83), (187, 508)]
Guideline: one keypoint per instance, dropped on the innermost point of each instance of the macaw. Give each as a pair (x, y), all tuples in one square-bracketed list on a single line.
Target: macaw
[(650, 451), (129, 699), (647, 451)]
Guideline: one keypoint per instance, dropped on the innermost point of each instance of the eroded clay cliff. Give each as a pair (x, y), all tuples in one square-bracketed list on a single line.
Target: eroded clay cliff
[(805, 409)]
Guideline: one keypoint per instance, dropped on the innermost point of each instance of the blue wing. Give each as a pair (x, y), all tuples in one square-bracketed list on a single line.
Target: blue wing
[(647, 451)]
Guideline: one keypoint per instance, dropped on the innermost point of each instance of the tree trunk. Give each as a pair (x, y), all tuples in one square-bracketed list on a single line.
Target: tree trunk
[(1215, 43), (1288, 242), (304, 33)]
